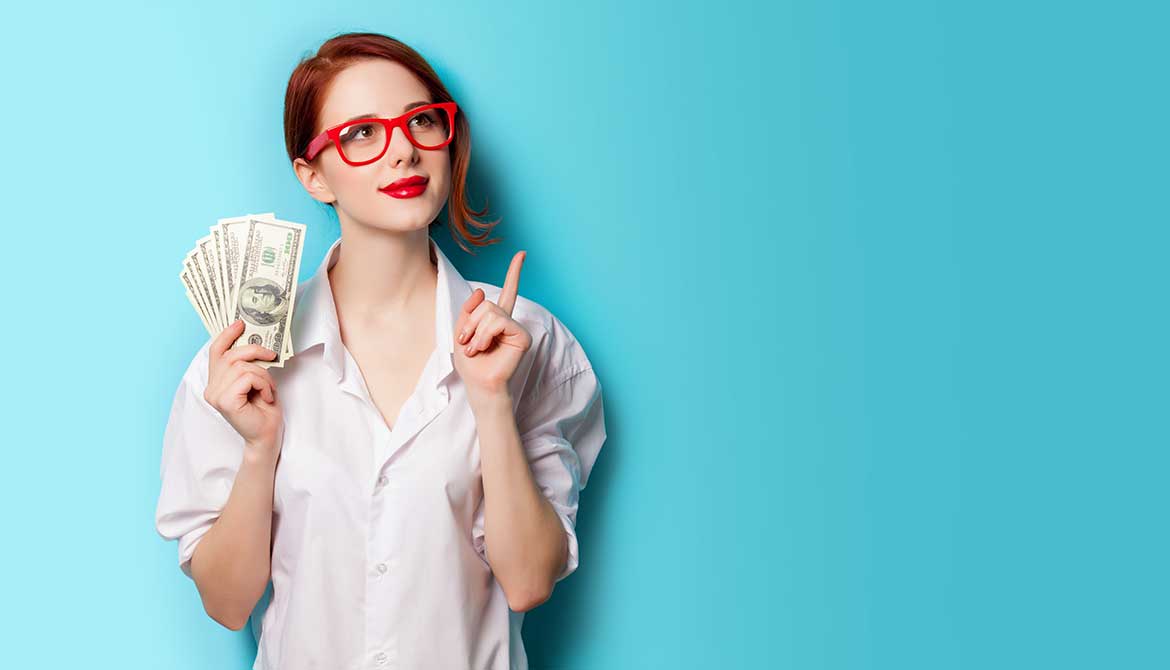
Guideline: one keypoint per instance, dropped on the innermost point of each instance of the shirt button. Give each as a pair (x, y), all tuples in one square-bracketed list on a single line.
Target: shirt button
[(380, 657), (382, 568)]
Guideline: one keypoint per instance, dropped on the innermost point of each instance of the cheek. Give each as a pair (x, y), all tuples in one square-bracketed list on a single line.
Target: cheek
[(345, 179), (442, 190), (438, 166), (357, 181)]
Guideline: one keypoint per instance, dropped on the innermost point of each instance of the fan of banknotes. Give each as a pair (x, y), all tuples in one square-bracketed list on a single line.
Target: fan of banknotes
[(247, 268)]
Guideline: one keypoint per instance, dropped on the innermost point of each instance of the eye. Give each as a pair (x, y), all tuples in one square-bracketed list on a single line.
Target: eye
[(361, 131), (425, 119)]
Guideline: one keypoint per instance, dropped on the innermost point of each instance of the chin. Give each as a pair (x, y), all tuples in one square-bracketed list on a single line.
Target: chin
[(402, 224)]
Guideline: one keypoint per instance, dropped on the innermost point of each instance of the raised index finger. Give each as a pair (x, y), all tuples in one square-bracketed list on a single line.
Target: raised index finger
[(512, 283)]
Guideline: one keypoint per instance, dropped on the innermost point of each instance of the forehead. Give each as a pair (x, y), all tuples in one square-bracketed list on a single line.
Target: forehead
[(377, 86)]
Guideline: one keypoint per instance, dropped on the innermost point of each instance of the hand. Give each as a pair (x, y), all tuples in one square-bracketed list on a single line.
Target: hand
[(488, 343), (244, 392)]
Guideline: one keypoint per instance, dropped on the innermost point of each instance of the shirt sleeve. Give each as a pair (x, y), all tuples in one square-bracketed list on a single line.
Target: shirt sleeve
[(201, 455), (562, 427)]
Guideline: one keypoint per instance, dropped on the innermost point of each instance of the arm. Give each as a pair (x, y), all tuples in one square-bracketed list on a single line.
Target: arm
[(220, 450), (532, 467), (233, 561), (527, 539)]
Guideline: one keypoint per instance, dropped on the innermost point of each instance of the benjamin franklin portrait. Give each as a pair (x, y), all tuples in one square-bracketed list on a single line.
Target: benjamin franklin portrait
[(262, 302)]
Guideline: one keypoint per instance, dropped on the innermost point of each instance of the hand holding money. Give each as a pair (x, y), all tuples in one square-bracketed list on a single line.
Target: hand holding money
[(247, 269), (243, 392)]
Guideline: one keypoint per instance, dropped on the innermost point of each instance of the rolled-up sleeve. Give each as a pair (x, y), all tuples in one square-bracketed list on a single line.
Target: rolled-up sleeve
[(562, 427), (201, 455)]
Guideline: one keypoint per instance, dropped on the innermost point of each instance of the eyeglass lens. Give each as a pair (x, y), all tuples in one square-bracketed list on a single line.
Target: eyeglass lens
[(364, 141)]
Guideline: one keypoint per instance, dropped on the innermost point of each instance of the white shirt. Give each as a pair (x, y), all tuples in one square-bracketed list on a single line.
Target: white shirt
[(378, 556)]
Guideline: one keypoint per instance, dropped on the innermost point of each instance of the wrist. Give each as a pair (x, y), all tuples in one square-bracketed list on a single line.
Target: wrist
[(263, 453), (489, 399)]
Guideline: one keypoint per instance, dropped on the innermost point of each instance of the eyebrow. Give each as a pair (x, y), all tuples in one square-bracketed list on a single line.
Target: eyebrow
[(409, 106)]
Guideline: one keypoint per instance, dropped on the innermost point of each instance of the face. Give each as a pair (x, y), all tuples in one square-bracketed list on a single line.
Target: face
[(382, 88), (258, 300)]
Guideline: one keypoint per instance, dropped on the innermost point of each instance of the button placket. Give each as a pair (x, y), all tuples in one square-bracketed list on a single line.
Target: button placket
[(414, 421)]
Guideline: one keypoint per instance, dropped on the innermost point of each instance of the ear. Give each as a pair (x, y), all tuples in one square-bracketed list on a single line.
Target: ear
[(311, 178)]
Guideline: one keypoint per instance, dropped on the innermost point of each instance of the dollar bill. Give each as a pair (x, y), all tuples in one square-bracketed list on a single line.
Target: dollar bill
[(189, 288), (232, 232), (267, 286), (200, 279), (247, 268), (210, 266)]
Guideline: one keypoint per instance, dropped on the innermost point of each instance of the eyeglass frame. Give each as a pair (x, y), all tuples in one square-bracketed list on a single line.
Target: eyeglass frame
[(333, 135)]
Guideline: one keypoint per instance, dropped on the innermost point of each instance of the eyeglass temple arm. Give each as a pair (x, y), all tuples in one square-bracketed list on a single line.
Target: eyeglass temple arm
[(316, 145)]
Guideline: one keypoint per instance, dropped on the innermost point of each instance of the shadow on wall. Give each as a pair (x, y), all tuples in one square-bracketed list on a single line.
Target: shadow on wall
[(551, 632)]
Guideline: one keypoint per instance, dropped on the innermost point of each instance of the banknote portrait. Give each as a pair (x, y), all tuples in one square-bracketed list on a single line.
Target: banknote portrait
[(262, 302)]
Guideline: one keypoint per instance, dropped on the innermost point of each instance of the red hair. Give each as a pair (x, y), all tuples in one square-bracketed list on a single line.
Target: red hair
[(305, 96)]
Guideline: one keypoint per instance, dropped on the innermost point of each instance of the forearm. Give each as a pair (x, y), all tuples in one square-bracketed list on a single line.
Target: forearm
[(526, 541), (232, 562)]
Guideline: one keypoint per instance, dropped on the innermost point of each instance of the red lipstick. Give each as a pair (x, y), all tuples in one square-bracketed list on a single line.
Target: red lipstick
[(408, 187)]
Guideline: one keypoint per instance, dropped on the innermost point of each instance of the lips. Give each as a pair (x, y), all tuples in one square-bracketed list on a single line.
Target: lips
[(408, 187), (404, 183)]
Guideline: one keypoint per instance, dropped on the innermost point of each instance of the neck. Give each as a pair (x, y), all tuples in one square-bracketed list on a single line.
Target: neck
[(381, 273)]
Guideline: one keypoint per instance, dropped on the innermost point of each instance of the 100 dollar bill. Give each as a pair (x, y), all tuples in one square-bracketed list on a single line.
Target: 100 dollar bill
[(267, 288), (231, 236)]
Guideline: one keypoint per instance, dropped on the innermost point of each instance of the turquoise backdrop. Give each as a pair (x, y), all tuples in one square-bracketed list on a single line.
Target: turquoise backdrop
[(877, 293)]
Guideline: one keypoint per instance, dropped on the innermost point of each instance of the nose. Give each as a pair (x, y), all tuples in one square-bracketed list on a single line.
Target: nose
[(400, 148)]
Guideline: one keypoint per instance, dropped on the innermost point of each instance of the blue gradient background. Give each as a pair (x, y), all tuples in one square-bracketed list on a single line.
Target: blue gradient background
[(876, 292)]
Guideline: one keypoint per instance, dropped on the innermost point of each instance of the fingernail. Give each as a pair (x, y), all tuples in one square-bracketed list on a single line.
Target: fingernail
[(462, 334), (467, 350)]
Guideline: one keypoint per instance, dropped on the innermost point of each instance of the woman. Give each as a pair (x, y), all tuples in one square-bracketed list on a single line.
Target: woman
[(409, 480)]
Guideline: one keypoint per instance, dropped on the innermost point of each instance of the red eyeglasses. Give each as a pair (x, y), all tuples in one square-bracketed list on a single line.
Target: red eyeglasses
[(363, 141)]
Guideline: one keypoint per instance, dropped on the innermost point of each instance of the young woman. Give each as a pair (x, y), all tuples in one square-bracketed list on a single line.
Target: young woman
[(409, 480)]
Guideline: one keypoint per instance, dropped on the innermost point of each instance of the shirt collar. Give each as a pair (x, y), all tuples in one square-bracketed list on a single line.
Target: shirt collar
[(315, 313)]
